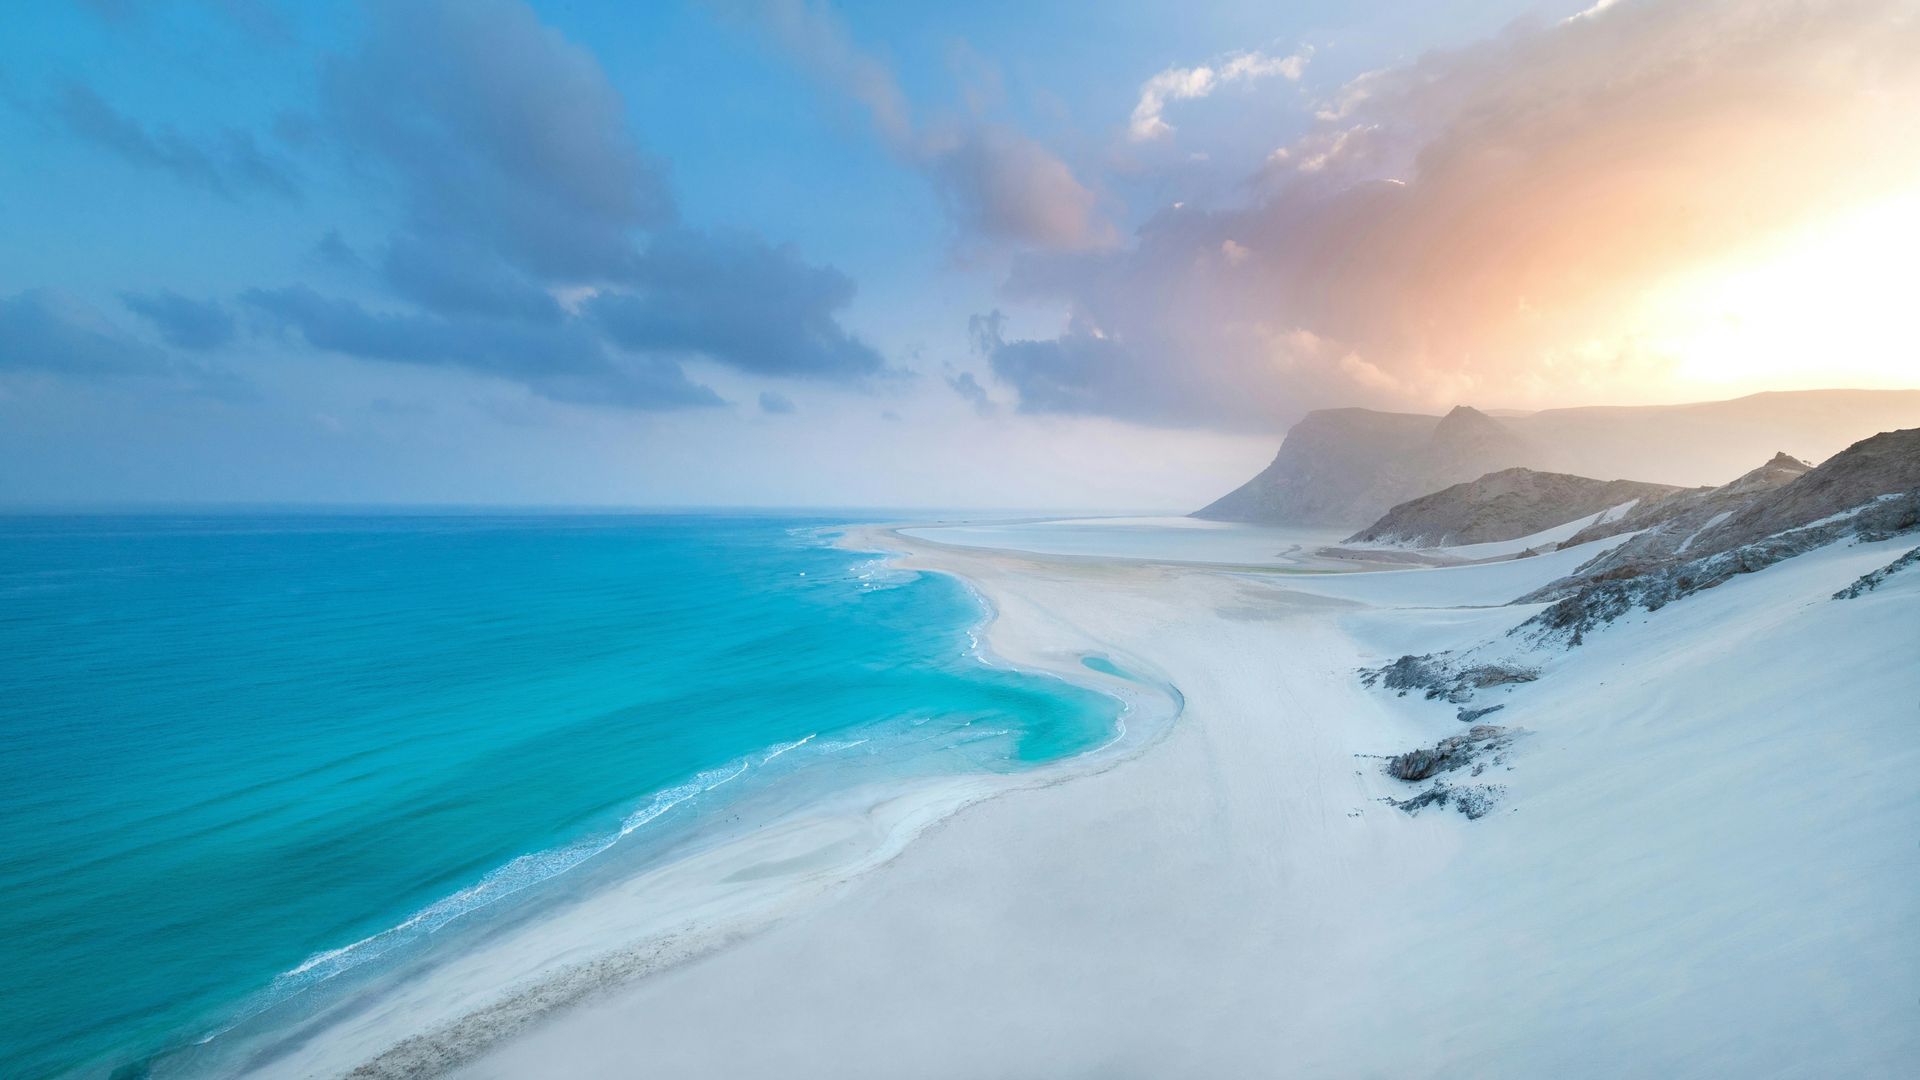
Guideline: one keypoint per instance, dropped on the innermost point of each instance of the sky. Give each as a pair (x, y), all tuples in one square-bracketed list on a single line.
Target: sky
[(994, 255)]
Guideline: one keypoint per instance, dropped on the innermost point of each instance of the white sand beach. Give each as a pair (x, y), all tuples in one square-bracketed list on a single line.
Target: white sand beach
[(1703, 864)]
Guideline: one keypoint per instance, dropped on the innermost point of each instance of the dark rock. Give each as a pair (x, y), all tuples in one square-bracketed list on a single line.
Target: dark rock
[(1468, 716), (1866, 583), (1450, 753), (1475, 801), (1569, 619), (1441, 679)]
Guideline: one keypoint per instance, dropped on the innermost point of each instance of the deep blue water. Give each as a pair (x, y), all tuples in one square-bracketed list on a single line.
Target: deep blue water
[(242, 754)]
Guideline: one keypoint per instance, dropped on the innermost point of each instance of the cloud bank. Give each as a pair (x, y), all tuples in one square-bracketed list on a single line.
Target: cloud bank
[(182, 322), (50, 332), (1482, 217), (521, 186), (229, 164)]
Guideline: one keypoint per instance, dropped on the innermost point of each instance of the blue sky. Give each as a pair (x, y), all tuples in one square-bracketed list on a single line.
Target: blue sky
[(731, 253)]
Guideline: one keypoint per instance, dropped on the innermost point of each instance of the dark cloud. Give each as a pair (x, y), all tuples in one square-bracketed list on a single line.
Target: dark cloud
[(776, 404), (986, 332), (183, 323), (452, 280), (564, 361), (740, 302), (502, 135), (43, 330), (333, 251), (1085, 374), (226, 164), (969, 388), (48, 331), (520, 184), (1483, 221)]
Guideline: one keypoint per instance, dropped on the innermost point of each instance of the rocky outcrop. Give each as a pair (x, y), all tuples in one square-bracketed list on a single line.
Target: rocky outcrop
[(1598, 602), (1474, 801), (1451, 753), (1441, 678), (1483, 746), (1505, 505), (1866, 583)]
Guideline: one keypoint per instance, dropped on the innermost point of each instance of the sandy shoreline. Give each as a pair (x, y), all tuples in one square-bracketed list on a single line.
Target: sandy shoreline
[(613, 927), (1231, 896), (920, 956)]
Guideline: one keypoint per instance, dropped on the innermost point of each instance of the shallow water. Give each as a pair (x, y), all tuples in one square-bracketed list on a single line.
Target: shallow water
[(242, 755)]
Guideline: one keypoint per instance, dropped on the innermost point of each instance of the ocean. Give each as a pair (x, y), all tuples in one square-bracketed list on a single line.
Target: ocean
[(244, 755)]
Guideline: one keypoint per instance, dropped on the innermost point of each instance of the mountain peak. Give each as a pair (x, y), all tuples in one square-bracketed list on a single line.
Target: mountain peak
[(1476, 443), (1779, 469)]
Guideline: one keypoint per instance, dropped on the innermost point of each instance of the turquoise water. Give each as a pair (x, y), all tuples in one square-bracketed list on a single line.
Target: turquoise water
[(240, 755)]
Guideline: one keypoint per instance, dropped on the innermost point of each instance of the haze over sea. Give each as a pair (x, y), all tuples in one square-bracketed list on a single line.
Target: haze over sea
[(244, 754)]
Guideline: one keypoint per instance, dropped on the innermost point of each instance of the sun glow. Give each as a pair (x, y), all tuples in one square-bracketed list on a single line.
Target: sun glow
[(1832, 304)]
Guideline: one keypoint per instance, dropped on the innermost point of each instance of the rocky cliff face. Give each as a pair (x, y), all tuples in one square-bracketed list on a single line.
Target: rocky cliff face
[(1349, 466), (1505, 505)]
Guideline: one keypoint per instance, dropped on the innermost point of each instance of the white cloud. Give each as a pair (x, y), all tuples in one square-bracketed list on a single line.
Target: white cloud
[(1466, 221), (1184, 84), (1592, 12)]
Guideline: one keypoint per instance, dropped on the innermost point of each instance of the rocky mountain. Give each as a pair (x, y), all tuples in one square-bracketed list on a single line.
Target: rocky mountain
[(1344, 466), (1669, 526), (1505, 505), (1887, 464), (1774, 512), (1868, 493), (1347, 467)]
